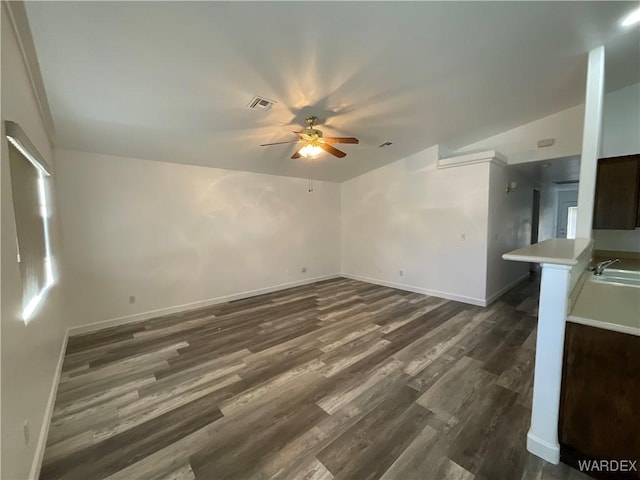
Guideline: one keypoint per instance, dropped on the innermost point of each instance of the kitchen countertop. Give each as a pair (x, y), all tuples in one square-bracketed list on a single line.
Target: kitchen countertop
[(611, 307), (601, 305), (559, 251)]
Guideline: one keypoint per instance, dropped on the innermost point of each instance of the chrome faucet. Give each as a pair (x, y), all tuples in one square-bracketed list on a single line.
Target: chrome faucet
[(602, 265)]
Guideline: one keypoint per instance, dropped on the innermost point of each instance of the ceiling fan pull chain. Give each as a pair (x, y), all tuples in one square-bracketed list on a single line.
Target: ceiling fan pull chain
[(310, 178)]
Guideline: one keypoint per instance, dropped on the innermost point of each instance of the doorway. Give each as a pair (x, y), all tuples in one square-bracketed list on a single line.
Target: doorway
[(534, 268), (535, 216), (567, 214)]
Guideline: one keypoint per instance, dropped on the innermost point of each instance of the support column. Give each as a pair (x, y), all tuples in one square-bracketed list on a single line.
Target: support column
[(591, 139), (542, 439)]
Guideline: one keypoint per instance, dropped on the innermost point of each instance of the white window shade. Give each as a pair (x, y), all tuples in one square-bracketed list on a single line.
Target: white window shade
[(30, 207)]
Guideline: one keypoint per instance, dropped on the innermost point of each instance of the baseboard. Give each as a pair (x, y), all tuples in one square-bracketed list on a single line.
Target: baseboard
[(48, 413), (504, 290), (410, 288), (137, 317), (543, 449)]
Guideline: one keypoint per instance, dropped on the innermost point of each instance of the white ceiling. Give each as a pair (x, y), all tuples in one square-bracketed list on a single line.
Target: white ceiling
[(563, 170), (170, 81)]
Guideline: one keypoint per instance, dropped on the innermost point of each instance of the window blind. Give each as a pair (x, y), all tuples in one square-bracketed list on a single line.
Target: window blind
[(27, 190)]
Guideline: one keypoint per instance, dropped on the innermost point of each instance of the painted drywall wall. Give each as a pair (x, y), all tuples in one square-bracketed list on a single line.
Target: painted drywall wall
[(620, 127), (620, 130), (621, 122), (30, 352), (173, 234), (617, 240), (509, 228), (410, 216), (519, 145)]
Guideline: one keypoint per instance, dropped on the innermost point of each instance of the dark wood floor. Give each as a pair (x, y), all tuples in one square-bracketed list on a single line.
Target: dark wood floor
[(339, 379)]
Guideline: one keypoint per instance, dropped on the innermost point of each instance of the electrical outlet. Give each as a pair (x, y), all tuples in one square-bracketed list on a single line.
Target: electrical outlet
[(132, 299), (401, 273), (26, 432), (304, 269)]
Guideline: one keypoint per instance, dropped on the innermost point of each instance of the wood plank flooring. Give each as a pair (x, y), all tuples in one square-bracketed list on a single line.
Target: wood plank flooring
[(335, 380)]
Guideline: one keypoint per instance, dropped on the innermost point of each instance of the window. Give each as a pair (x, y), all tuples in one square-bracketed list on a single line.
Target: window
[(572, 220), (28, 173)]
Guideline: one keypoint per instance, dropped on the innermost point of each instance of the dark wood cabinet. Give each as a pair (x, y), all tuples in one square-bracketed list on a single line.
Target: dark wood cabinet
[(600, 399), (617, 200)]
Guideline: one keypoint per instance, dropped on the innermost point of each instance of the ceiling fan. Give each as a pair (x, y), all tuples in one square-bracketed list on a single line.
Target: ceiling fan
[(314, 143)]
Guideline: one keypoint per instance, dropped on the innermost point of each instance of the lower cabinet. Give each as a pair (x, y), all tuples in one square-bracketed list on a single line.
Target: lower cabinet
[(599, 426)]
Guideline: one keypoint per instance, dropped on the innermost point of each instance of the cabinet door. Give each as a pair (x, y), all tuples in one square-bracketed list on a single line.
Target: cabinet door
[(600, 399), (617, 187)]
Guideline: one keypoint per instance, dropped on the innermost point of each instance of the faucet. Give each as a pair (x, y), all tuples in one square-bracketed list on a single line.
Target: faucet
[(602, 265)]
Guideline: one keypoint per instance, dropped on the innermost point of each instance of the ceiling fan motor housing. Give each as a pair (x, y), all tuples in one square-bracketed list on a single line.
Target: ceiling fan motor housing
[(313, 142), (312, 133)]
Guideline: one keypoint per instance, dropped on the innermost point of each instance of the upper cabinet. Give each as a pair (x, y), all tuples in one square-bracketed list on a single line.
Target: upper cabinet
[(617, 202)]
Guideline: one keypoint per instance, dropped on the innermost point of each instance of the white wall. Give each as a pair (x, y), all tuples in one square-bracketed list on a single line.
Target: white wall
[(621, 122), (29, 352), (173, 234), (509, 228), (621, 136), (617, 240), (620, 127), (519, 145), (410, 216)]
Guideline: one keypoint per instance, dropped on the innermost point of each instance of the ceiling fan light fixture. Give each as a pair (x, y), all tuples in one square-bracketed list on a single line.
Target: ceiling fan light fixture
[(311, 151), (314, 143)]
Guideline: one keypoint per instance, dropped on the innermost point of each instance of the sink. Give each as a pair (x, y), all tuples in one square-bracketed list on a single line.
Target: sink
[(618, 277)]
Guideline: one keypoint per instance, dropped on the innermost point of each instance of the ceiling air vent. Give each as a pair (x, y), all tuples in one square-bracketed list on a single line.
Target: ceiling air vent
[(260, 103)]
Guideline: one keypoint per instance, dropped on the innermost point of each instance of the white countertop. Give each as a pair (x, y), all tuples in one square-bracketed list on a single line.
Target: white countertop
[(612, 307), (560, 251)]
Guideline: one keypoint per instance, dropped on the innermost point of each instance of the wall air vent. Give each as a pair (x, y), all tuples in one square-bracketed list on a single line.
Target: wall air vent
[(260, 103), (546, 142), (566, 182)]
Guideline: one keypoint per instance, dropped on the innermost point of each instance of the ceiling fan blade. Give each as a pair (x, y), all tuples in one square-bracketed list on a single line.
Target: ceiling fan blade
[(333, 150), (279, 143), (341, 140), (296, 155)]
